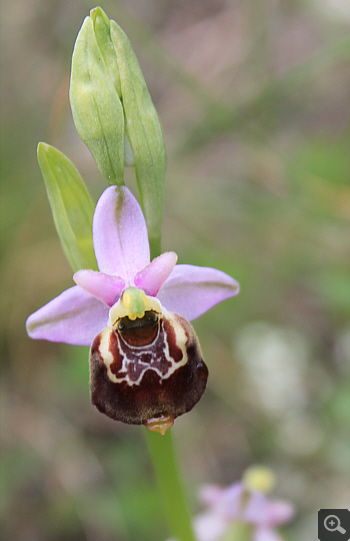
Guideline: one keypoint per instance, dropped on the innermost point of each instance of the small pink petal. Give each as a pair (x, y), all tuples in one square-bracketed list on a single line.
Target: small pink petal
[(191, 291), (104, 287), (74, 317), (152, 277), (209, 527), (257, 508), (280, 512), (120, 234), (230, 504), (262, 533), (210, 495)]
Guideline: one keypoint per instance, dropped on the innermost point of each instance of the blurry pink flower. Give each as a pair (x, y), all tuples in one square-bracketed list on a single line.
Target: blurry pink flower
[(236, 503)]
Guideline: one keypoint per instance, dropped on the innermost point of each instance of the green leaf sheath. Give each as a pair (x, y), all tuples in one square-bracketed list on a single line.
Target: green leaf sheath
[(71, 204), (144, 133), (96, 106)]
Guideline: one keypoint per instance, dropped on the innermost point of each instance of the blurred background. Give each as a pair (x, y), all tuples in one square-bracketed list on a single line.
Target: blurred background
[(253, 100)]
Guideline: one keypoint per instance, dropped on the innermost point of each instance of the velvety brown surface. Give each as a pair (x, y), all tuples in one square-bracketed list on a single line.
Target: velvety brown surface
[(154, 395)]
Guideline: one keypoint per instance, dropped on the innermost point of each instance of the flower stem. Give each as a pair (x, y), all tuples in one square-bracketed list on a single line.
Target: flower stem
[(162, 453)]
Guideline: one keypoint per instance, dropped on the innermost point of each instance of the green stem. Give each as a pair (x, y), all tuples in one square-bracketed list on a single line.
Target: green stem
[(163, 456)]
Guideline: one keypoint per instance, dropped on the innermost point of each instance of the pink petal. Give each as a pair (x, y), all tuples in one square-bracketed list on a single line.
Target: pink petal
[(74, 317), (191, 291), (230, 503), (266, 534), (260, 510), (210, 495), (280, 512), (152, 277), (120, 234), (209, 527), (104, 287), (257, 508)]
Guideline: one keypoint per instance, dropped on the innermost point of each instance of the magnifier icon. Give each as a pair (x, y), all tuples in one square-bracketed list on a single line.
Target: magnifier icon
[(332, 524)]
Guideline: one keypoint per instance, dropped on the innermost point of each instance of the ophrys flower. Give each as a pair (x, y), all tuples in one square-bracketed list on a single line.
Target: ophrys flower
[(145, 360), (243, 510)]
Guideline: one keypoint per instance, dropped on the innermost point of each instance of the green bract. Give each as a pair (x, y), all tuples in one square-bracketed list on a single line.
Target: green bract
[(114, 114), (96, 106), (71, 204), (102, 26)]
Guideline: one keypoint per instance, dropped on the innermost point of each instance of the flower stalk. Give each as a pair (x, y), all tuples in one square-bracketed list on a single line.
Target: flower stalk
[(163, 456)]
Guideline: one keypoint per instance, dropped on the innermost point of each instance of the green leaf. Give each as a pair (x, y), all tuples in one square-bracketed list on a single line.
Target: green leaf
[(71, 204), (144, 133), (96, 106)]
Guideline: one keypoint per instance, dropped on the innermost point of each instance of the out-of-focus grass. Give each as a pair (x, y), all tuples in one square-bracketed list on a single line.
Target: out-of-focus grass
[(253, 101)]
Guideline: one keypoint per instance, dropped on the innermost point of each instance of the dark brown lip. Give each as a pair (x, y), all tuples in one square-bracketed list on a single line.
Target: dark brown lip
[(151, 384)]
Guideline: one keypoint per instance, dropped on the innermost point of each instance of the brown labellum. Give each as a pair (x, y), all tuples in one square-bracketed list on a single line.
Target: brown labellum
[(147, 370)]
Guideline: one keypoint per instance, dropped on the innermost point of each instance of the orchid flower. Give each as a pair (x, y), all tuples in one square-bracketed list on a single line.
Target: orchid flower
[(240, 503), (145, 360)]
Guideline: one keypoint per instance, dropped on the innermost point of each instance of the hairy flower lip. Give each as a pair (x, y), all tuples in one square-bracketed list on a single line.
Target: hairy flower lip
[(123, 256), (166, 377)]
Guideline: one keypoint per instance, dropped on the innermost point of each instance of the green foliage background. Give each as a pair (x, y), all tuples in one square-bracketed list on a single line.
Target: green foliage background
[(253, 100)]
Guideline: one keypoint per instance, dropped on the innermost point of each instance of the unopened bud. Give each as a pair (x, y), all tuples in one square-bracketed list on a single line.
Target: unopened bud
[(97, 110)]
